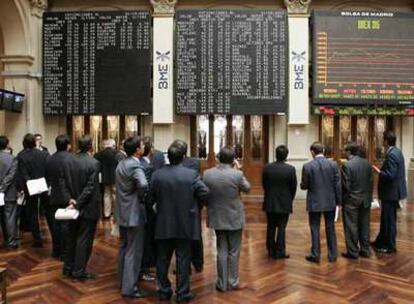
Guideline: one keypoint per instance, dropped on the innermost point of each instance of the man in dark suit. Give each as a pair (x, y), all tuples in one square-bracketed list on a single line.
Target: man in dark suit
[(130, 215), (56, 200), (80, 190), (279, 184), (108, 159), (391, 189), (32, 165), (157, 157), (176, 190), (357, 186), (322, 180), (39, 143), (8, 189), (197, 250)]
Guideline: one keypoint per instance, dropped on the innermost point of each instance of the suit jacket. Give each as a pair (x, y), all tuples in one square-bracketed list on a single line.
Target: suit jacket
[(31, 165), (53, 174), (157, 160), (109, 160), (175, 190), (321, 178), (357, 184), (8, 172), (391, 184), (279, 184), (79, 181), (192, 163), (131, 186), (224, 206)]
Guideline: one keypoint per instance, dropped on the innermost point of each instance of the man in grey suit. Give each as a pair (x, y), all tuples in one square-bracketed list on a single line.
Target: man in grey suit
[(226, 216), (357, 187), (321, 178), (131, 187), (8, 171), (176, 191)]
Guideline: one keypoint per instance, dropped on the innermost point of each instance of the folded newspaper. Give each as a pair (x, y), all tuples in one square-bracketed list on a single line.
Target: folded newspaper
[(66, 214)]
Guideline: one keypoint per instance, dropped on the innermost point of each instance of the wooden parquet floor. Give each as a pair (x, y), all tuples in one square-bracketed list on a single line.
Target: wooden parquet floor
[(34, 277)]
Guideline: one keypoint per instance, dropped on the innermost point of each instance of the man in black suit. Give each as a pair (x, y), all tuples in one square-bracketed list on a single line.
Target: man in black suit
[(279, 184), (157, 157), (8, 189), (176, 190), (39, 143), (391, 189), (197, 250), (80, 190), (357, 186), (108, 158), (32, 165), (56, 200), (322, 180)]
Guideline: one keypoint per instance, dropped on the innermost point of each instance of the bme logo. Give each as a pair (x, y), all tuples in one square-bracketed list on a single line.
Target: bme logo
[(163, 69), (298, 60)]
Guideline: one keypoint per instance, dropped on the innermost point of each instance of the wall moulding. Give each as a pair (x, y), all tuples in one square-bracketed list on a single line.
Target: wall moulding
[(163, 8), (300, 7)]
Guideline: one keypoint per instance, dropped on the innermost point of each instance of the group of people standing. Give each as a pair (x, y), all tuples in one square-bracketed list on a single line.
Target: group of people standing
[(328, 189), (156, 202)]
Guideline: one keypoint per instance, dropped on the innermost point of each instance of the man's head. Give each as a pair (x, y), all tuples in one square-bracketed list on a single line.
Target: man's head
[(85, 144), (4, 143), (352, 148), (316, 149), (389, 138), (148, 146), (29, 141), (281, 153), (133, 146), (62, 142), (39, 139), (109, 143), (227, 155), (176, 153), (182, 144)]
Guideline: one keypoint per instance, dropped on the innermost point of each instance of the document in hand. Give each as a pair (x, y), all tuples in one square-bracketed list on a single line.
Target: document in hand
[(66, 214), (21, 199), (37, 186), (337, 213), (1, 199)]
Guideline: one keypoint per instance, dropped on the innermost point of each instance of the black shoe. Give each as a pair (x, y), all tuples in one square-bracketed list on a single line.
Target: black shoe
[(85, 276), (198, 268), (333, 260), (347, 255), (187, 298), (380, 249), (137, 294), (281, 256), (312, 259), (364, 254), (220, 289)]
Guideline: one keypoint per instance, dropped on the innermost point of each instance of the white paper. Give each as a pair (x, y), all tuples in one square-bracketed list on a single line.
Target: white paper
[(66, 214), (1, 199), (375, 204), (37, 186), (21, 200), (100, 178), (336, 213)]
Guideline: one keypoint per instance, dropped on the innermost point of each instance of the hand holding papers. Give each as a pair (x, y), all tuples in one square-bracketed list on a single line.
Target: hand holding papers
[(66, 214), (1, 199), (37, 186)]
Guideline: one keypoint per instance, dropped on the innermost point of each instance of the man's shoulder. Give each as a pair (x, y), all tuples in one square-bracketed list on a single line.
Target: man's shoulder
[(6, 156)]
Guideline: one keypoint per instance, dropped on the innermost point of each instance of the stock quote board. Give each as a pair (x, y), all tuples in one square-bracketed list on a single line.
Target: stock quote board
[(363, 58), (231, 61), (96, 62)]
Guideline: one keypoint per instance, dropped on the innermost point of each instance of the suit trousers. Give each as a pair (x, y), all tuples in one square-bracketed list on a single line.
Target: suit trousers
[(228, 256), (108, 199), (279, 221), (197, 250), (315, 223), (79, 244), (49, 212), (356, 221), (387, 236), (8, 220), (31, 215), (130, 257), (150, 246), (165, 250)]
